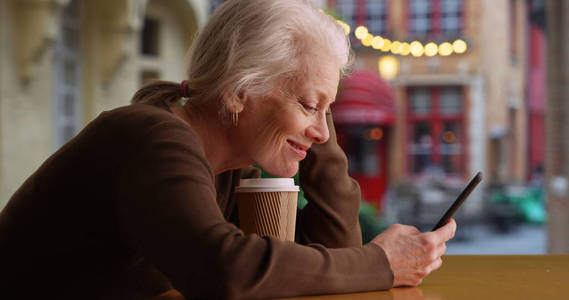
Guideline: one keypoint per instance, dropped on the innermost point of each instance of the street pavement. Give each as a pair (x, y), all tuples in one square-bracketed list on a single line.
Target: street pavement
[(484, 239)]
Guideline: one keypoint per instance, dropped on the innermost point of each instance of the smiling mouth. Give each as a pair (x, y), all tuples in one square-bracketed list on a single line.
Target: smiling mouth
[(299, 149)]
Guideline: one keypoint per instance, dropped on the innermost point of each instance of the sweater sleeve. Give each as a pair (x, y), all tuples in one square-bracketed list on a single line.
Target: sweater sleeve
[(167, 211), (331, 215)]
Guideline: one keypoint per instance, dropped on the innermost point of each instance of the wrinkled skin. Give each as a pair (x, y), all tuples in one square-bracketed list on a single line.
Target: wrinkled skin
[(412, 254)]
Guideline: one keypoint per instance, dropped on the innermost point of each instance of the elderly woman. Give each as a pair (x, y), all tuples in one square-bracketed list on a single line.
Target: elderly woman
[(140, 202)]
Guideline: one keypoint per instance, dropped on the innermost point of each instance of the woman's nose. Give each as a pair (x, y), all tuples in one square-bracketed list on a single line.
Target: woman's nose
[(318, 132)]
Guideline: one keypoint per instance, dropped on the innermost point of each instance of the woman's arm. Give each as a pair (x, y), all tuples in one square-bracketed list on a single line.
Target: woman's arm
[(167, 211), (331, 218), (331, 215)]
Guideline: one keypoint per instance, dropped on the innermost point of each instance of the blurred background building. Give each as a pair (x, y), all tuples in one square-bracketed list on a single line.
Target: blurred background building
[(455, 111), (65, 61), (439, 90), (557, 133)]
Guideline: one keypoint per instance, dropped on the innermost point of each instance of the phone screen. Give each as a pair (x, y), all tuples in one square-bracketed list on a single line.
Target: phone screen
[(458, 202)]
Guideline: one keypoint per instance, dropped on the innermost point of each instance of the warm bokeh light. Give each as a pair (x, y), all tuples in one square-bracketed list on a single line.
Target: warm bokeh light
[(445, 49), (361, 32), (405, 49), (449, 137), (377, 42), (388, 67), (395, 47), (375, 134), (367, 40), (431, 49), (459, 46), (416, 48), (386, 45)]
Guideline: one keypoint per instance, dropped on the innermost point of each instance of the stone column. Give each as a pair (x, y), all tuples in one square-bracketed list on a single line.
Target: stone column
[(557, 125)]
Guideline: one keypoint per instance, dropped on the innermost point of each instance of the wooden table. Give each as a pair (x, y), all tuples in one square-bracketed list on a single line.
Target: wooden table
[(483, 277)]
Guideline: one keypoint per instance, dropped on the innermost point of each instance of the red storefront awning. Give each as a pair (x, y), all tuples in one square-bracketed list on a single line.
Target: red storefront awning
[(364, 98)]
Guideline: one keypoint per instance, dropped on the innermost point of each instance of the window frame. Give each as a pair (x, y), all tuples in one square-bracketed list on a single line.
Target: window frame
[(383, 17), (435, 21), (436, 119), (150, 37)]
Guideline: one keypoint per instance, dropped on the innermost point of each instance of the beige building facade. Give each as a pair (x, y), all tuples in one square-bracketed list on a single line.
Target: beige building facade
[(557, 133), (488, 82), (62, 62), (492, 76)]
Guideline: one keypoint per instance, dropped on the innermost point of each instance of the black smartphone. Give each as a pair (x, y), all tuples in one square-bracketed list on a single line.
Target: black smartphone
[(458, 202)]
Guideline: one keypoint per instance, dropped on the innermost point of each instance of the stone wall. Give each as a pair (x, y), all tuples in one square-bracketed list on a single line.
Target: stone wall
[(110, 68)]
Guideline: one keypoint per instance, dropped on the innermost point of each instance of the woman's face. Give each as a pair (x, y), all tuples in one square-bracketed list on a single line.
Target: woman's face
[(277, 130)]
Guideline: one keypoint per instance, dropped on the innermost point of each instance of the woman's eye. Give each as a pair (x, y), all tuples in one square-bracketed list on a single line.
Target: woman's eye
[(310, 108)]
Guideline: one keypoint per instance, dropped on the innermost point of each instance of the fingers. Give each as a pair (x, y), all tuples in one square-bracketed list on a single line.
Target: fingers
[(441, 250), (435, 265), (413, 255), (446, 232), (416, 277)]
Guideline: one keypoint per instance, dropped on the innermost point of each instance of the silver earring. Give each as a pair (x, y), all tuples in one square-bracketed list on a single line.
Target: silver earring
[(235, 118)]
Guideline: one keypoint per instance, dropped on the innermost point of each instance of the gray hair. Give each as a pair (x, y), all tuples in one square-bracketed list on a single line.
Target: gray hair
[(249, 45), (253, 46)]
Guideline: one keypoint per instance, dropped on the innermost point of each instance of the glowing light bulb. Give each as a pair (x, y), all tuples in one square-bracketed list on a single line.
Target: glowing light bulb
[(367, 40), (405, 49), (377, 42), (459, 46), (388, 66), (386, 45), (416, 48), (431, 49), (361, 32), (395, 47), (445, 49)]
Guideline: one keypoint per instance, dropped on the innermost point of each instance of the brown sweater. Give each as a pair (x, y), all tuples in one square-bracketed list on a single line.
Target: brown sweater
[(131, 208)]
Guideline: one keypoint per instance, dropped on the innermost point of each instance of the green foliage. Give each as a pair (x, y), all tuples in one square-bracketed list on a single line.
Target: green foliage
[(370, 225)]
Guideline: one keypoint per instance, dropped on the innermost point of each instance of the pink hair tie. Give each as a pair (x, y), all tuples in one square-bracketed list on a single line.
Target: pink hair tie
[(184, 89)]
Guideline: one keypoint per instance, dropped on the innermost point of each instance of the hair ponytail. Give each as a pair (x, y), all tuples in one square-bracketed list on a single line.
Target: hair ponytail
[(252, 46), (158, 92)]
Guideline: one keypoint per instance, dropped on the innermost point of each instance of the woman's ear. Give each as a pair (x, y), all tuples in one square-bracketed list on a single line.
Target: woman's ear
[(235, 102)]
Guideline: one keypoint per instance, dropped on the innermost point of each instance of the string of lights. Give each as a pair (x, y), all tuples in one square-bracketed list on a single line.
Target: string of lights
[(414, 48)]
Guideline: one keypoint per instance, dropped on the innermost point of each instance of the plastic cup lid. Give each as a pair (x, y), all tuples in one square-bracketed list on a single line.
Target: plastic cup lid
[(267, 185)]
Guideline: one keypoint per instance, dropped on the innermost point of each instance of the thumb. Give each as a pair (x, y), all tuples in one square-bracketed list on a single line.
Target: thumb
[(447, 231)]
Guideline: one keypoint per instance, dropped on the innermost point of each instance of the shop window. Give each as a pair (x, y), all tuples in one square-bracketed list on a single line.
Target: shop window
[(421, 146), (361, 145), (421, 102), (436, 124), (435, 17), (150, 37)]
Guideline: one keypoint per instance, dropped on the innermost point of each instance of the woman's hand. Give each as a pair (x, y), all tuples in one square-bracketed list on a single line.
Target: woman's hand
[(412, 254)]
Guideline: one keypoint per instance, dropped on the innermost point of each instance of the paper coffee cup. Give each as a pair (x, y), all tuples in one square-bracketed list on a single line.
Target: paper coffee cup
[(267, 206)]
